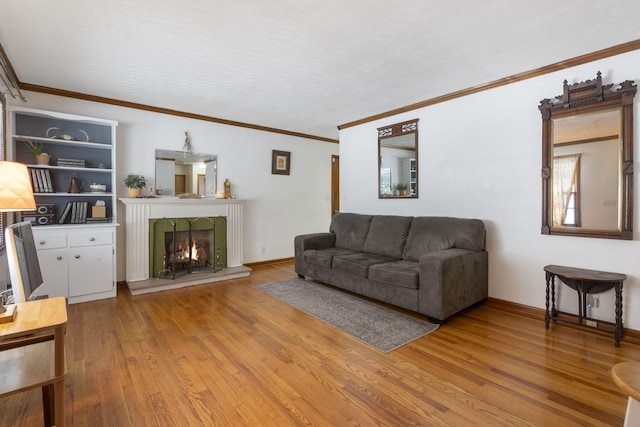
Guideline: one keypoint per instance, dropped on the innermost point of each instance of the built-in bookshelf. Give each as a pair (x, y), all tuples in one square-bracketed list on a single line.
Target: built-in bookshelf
[(81, 168), (75, 220)]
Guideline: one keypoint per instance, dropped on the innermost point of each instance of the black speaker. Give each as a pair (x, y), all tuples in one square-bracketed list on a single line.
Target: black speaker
[(40, 219), (45, 209)]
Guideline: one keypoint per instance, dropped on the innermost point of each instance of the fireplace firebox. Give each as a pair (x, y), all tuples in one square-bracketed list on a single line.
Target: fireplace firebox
[(180, 246)]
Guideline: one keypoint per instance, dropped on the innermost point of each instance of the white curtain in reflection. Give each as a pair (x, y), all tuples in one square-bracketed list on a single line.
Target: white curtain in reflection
[(564, 178)]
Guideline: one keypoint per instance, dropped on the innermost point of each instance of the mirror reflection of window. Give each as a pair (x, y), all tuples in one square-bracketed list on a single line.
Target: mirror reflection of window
[(566, 182), (385, 181)]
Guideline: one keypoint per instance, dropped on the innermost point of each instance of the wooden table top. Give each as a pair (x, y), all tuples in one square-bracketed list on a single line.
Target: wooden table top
[(626, 375), (35, 316), (583, 274)]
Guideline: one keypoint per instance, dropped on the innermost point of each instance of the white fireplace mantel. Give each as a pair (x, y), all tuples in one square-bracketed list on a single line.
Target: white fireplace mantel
[(140, 210)]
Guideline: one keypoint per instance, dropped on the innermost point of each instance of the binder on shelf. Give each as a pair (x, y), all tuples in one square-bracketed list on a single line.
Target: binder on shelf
[(40, 182), (65, 213), (74, 212), (44, 180), (83, 212), (79, 212), (34, 180), (49, 183)]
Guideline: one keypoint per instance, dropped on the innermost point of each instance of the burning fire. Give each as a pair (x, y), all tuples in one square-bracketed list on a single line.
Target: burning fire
[(182, 251)]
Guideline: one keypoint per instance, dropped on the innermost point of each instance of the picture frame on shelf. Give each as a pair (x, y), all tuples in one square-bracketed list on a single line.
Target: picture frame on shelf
[(280, 162)]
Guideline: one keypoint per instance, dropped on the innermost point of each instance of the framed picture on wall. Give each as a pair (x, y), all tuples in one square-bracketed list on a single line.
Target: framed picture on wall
[(280, 162)]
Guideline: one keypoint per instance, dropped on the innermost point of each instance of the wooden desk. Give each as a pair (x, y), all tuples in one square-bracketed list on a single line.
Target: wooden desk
[(584, 282), (626, 375), (32, 352)]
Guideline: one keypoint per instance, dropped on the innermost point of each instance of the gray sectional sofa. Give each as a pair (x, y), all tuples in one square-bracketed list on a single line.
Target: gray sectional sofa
[(435, 266)]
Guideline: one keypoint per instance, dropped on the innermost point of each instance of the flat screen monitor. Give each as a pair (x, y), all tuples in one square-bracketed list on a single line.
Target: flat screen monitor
[(22, 257)]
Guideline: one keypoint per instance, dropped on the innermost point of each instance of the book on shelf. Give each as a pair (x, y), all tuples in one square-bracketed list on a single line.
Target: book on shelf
[(74, 163), (34, 180), (83, 212), (79, 212), (65, 213), (46, 181), (41, 180), (98, 219)]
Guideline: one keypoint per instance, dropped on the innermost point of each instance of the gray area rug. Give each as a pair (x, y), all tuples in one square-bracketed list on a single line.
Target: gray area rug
[(375, 325)]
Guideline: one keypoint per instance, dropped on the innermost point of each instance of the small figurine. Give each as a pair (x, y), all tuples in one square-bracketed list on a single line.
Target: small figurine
[(227, 189), (187, 142)]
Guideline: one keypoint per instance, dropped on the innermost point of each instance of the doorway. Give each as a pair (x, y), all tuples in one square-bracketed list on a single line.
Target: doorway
[(181, 184), (335, 185)]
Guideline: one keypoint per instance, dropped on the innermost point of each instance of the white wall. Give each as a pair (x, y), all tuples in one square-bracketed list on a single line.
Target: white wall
[(279, 207), (480, 157)]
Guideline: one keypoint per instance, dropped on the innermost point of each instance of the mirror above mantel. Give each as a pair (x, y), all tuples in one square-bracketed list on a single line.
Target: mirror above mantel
[(179, 172), (587, 160), (398, 160)]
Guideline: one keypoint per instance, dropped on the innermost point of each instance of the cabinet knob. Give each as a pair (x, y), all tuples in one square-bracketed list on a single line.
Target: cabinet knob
[(91, 239), (41, 242), (77, 257), (58, 257)]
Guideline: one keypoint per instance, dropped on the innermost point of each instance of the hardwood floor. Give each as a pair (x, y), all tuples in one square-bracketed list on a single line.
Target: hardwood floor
[(227, 354)]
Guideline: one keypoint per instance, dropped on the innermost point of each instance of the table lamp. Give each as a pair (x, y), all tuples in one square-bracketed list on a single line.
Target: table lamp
[(16, 193)]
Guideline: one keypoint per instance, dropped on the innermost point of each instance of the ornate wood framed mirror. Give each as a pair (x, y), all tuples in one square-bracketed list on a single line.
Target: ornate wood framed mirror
[(587, 160), (398, 160)]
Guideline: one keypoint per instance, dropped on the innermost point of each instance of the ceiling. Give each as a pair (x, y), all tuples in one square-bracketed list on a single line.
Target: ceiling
[(304, 66)]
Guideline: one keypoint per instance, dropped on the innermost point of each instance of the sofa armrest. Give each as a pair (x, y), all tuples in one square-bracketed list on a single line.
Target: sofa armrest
[(306, 242), (452, 280)]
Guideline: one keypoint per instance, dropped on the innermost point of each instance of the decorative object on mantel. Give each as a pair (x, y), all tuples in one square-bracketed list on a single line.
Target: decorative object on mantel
[(135, 184), (36, 149), (227, 189), (187, 142), (50, 133), (188, 196), (280, 162)]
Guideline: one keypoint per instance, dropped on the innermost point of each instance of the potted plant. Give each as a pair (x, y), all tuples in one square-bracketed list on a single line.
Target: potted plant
[(42, 158), (135, 184), (402, 188)]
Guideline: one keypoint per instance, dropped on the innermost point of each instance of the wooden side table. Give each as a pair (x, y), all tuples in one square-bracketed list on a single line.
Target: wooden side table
[(584, 282), (33, 346), (626, 375)]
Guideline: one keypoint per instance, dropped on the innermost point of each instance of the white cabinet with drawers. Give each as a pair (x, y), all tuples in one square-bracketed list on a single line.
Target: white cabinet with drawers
[(77, 262)]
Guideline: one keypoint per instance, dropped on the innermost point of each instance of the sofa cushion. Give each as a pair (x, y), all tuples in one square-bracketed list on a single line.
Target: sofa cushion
[(324, 257), (350, 230), (432, 234), (401, 273), (358, 264), (388, 235)]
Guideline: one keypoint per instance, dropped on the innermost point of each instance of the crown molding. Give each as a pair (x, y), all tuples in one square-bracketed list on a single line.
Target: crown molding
[(137, 106), (578, 60)]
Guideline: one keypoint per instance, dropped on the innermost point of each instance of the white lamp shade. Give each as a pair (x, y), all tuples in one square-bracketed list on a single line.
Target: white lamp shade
[(16, 193)]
